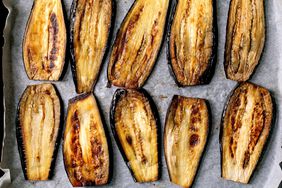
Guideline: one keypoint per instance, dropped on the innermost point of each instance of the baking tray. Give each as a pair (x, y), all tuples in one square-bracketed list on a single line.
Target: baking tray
[(162, 87)]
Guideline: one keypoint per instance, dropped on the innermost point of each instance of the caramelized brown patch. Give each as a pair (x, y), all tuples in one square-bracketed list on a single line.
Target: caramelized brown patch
[(194, 140)]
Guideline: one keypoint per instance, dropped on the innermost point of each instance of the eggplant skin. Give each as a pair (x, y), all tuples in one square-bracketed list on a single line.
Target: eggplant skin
[(45, 40), (91, 23), (85, 147), (134, 121), (38, 127), (192, 42), (185, 137), (246, 126), (138, 43), (245, 38)]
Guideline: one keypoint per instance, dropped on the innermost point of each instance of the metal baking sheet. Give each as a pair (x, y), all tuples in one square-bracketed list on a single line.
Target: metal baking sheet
[(162, 87)]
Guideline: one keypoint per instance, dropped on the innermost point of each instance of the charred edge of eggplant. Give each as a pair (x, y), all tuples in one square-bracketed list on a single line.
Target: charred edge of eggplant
[(204, 153), (66, 56), (117, 95), (209, 73), (263, 49), (67, 53), (106, 130), (266, 144), (109, 84), (57, 143), (71, 46)]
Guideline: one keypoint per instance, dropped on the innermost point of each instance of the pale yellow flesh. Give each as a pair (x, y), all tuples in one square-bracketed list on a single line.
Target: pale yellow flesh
[(39, 122), (187, 118), (44, 43), (137, 44), (191, 40), (137, 131), (245, 38), (85, 149), (247, 122), (91, 31)]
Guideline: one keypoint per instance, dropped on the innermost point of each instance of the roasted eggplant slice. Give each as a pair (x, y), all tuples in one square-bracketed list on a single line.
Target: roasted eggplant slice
[(192, 42), (245, 38), (38, 130), (90, 27), (44, 44), (246, 125), (185, 138), (85, 148), (135, 122), (137, 44)]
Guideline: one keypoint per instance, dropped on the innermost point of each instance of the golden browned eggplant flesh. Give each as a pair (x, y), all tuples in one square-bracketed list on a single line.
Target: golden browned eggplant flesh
[(245, 38), (192, 49), (90, 28), (85, 147), (45, 40), (185, 137), (246, 127), (38, 124), (135, 127), (137, 44)]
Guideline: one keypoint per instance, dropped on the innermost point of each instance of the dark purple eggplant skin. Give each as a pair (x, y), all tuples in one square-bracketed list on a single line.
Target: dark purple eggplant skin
[(267, 143), (208, 137), (107, 133), (71, 39), (117, 95), (109, 84), (20, 140), (208, 75)]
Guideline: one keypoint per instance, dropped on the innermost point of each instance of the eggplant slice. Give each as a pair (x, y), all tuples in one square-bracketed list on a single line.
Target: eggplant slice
[(135, 124), (245, 38), (85, 147), (44, 44), (185, 138), (246, 125), (138, 43), (90, 28), (192, 42), (38, 127)]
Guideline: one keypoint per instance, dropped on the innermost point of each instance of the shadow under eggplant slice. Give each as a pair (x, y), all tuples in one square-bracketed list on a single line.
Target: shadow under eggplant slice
[(38, 131), (246, 124), (45, 40), (137, 44), (192, 42), (185, 137), (91, 25), (85, 147), (245, 38), (135, 125)]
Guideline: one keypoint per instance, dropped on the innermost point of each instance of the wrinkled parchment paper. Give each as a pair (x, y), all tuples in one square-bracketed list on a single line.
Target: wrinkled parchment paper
[(162, 87)]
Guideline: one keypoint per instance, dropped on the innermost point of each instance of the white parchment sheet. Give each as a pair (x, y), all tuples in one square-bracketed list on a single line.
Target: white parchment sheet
[(162, 87)]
